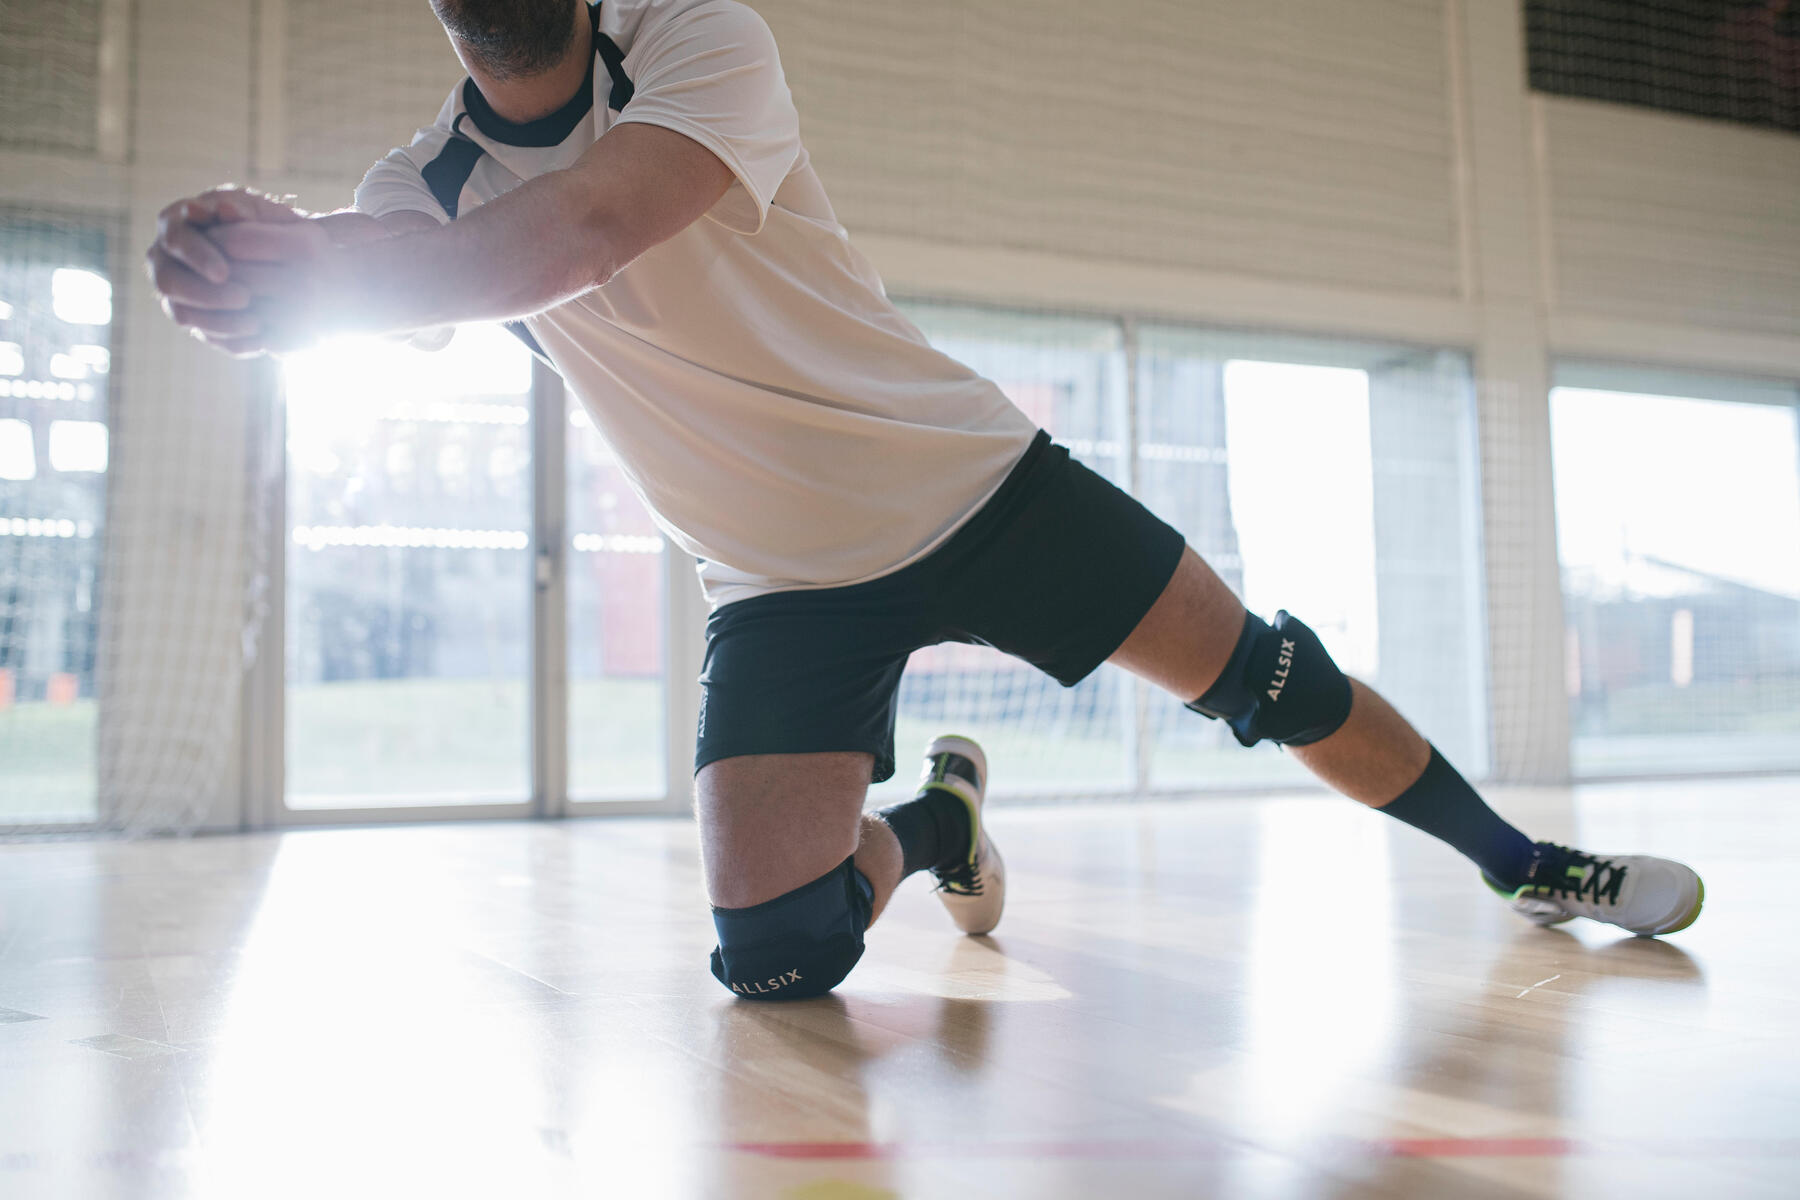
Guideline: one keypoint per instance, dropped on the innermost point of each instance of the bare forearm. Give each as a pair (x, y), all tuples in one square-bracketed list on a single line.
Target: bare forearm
[(535, 247), (348, 227)]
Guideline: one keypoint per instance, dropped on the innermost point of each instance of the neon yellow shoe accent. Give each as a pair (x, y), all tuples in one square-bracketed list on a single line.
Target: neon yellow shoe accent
[(1500, 891)]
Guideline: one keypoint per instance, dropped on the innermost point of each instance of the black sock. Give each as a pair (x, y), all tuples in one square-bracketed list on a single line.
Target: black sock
[(933, 828), (1444, 805)]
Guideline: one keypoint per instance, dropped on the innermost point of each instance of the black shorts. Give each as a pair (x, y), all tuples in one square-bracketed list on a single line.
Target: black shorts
[(1056, 569)]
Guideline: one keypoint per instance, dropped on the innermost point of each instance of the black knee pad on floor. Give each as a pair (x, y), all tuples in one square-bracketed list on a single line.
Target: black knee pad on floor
[(797, 945), (1280, 684)]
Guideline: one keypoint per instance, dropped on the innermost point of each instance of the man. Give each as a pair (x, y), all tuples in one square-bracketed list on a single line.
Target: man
[(628, 183)]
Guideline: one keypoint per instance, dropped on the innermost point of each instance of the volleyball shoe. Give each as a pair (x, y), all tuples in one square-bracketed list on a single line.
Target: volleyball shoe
[(1645, 895), (973, 889)]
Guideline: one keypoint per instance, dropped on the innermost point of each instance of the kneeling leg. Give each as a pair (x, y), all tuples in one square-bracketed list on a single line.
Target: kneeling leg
[(794, 871)]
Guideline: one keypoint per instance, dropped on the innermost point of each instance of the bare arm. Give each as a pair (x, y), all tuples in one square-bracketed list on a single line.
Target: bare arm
[(547, 241), (351, 228)]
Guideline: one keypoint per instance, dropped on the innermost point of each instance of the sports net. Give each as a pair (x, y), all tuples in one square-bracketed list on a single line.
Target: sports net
[(130, 698), (129, 562), (55, 363), (1738, 60)]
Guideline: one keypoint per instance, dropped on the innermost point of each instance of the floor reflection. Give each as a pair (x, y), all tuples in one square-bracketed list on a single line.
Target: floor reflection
[(1320, 1008), (1184, 1000)]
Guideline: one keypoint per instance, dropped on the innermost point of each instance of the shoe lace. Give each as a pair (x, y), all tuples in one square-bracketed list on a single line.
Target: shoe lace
[(1583, 875), (964, 879)]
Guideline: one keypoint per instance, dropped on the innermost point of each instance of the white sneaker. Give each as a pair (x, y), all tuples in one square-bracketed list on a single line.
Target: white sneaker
[(973, 891), (1648, 896)]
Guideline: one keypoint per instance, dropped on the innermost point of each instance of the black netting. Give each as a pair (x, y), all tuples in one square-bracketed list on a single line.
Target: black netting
[(1737, 60)]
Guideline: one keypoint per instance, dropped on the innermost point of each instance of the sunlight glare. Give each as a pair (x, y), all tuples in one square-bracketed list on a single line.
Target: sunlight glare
[(1709, 487), (1303, 499), (80, 297), (357, 378)]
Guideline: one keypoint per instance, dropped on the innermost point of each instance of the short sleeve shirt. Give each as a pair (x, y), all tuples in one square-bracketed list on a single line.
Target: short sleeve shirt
[(783, 422)]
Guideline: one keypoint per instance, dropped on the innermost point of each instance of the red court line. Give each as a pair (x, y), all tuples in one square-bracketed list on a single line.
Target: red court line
[(1447, 1147)]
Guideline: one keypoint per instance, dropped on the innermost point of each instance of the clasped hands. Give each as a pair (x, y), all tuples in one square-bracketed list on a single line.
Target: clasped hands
[(249, 275)]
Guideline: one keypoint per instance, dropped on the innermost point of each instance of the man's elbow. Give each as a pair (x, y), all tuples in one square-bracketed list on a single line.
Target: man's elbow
[(595, 255), (598, 266), (590, 248)]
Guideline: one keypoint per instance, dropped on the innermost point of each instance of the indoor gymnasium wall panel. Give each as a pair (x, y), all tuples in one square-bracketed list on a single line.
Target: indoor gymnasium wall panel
[(1309, 140), (361, 77), (1673, 219), (49, 74)]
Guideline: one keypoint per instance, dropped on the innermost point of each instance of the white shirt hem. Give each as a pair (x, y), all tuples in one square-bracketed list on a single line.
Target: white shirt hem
[(734, 591)]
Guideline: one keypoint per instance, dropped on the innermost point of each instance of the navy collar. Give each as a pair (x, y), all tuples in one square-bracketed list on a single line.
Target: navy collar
[(551, 130)]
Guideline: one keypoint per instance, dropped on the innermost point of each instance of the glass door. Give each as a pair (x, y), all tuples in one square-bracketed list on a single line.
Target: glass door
[(616, 568), (1068, 373), (1335, 479), (409, 577)]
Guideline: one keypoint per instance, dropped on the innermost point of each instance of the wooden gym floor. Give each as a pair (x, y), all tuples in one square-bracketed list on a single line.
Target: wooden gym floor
[(1240, 998)]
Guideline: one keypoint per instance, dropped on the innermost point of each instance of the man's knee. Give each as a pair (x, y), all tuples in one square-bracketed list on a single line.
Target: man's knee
[(1280, 684), (797, 945)]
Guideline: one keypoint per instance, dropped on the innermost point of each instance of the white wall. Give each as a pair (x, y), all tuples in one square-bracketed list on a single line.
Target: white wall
[(1354, 166), (1672, 220), (1305, 141)]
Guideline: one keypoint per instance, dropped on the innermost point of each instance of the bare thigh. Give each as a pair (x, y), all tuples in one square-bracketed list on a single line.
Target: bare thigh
[(771, 822), (1185, 640)]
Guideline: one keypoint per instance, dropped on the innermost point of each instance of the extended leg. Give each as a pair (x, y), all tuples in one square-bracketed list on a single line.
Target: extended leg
[(1186, 641), (1277, 682), (1196, 642)]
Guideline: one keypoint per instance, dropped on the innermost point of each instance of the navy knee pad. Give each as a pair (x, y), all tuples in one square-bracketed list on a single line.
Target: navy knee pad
[(1280, 685), (797, 945)]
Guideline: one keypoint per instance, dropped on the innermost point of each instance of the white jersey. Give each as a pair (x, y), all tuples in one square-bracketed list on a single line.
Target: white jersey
[(775, 412)]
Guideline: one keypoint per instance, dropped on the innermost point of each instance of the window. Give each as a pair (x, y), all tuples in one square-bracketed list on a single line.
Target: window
[(55, 334), (1069, 375), (409, 568), (1678, 527), (1335, 480), (616, 623)]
